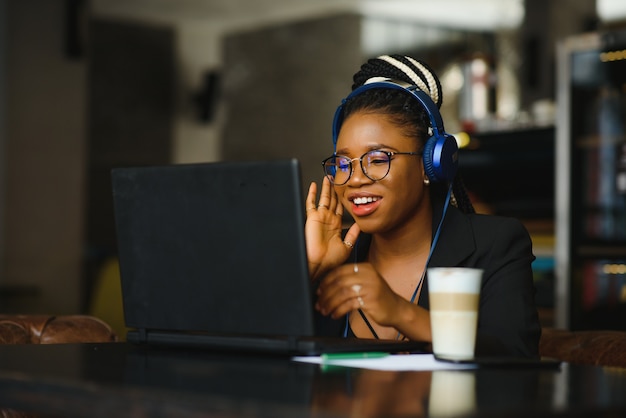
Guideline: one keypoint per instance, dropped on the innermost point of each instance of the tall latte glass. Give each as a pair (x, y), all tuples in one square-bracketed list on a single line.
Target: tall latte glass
[(453, 294)]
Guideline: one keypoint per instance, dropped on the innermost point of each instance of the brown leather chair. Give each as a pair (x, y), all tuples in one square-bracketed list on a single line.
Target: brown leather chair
[(50, 329), (601, 348)]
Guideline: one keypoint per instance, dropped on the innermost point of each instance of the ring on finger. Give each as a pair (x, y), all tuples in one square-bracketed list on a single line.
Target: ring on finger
[(357, 288), (322, 206), (360, 299), (348, 244)]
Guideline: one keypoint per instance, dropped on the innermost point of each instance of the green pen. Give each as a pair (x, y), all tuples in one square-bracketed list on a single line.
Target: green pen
[(353, 356)]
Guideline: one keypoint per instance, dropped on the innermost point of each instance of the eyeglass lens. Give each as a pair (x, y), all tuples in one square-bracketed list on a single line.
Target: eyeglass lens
[(375, 165)]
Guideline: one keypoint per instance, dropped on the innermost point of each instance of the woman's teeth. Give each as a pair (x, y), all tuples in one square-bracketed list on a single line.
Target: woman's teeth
[(364, 200)]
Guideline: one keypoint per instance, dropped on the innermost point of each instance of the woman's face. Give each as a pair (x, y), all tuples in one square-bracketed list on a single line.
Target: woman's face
[(400, 198)]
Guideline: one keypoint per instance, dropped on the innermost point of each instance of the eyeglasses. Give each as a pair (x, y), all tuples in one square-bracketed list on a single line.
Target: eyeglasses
[(375, 165)]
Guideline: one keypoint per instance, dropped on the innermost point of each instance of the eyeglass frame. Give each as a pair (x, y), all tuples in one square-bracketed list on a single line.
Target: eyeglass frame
[(350, 160)]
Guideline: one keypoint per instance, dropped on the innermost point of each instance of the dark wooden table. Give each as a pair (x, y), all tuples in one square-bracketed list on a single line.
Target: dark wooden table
[(120, 379)]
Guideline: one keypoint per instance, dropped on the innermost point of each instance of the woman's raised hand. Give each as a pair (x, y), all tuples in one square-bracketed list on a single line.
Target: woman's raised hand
[(325, 247)]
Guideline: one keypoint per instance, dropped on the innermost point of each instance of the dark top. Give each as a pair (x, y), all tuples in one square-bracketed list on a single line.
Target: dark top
[(508, 323)]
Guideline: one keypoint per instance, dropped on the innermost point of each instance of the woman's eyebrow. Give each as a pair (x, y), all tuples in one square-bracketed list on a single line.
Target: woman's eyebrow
[(371, 147)]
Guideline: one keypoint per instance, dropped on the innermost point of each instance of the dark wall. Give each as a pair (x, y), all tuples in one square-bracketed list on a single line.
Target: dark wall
[(131, 111), (281, 86)]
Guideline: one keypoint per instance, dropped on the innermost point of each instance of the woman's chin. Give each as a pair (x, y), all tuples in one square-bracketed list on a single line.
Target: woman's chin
[(367, 227)]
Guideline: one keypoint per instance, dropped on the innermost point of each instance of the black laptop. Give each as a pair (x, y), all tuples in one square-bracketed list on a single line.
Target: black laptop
[(213, 255)]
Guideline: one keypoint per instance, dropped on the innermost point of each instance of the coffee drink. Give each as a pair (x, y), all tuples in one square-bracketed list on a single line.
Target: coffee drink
[(454, 295)]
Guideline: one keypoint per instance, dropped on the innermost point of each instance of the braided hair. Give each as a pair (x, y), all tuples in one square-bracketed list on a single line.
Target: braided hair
[(403, 110)]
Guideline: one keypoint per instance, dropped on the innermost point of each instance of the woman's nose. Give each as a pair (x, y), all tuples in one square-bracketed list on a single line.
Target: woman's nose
[(358, 174)]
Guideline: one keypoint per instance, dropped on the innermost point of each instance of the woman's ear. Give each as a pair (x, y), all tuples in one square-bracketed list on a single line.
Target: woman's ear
[(425, 178)]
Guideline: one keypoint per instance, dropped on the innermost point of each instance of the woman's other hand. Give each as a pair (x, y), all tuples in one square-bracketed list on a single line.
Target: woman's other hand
[(358, 286)]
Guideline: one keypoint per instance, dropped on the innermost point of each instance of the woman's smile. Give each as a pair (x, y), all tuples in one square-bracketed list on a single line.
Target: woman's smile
[(363, 205)]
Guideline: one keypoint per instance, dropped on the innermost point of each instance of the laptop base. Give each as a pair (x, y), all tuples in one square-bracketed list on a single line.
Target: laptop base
[(283, 345)]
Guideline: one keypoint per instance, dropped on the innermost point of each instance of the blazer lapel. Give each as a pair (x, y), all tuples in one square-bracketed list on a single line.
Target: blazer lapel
[(455, 244), (456, 240)]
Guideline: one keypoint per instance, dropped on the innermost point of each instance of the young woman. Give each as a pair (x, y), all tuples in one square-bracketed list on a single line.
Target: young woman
[(394, 172)]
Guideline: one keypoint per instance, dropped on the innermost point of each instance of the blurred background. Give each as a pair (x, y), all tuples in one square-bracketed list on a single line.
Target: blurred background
[(88, 85)]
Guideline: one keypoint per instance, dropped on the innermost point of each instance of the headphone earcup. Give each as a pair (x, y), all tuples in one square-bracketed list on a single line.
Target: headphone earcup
[(441, 158)]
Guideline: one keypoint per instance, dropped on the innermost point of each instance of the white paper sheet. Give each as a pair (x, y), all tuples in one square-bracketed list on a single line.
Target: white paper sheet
[(394, 362)]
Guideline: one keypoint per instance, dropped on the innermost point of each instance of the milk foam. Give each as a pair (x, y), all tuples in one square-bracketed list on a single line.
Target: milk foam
[(454, 279)]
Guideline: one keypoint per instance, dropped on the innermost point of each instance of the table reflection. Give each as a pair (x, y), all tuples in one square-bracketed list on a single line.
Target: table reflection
[(129, 381), (452, 393), (371, 393)]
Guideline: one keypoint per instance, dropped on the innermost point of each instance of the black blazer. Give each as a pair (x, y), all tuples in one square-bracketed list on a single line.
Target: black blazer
[(508, 322)]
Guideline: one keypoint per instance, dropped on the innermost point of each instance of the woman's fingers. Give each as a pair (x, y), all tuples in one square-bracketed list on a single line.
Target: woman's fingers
[(340, 292), (351, 236), (340, 301), (334, 199), (326, 196), (357, 286), (328, 199), (310, 197), (339, 209)]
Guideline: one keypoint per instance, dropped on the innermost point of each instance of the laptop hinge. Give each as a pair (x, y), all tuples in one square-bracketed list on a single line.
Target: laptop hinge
[(292, 343), (143, 335)]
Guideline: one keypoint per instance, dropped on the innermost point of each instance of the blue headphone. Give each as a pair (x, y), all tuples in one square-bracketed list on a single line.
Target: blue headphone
[(440, 150)]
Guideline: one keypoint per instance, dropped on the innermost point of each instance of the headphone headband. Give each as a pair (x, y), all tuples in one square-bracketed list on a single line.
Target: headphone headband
[(440, 150), (436, 121)]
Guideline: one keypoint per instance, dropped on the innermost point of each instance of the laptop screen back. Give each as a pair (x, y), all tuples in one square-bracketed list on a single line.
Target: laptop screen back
[(215, 247)]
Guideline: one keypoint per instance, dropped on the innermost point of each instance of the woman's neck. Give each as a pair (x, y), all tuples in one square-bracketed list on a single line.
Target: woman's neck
[(411, 240)]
